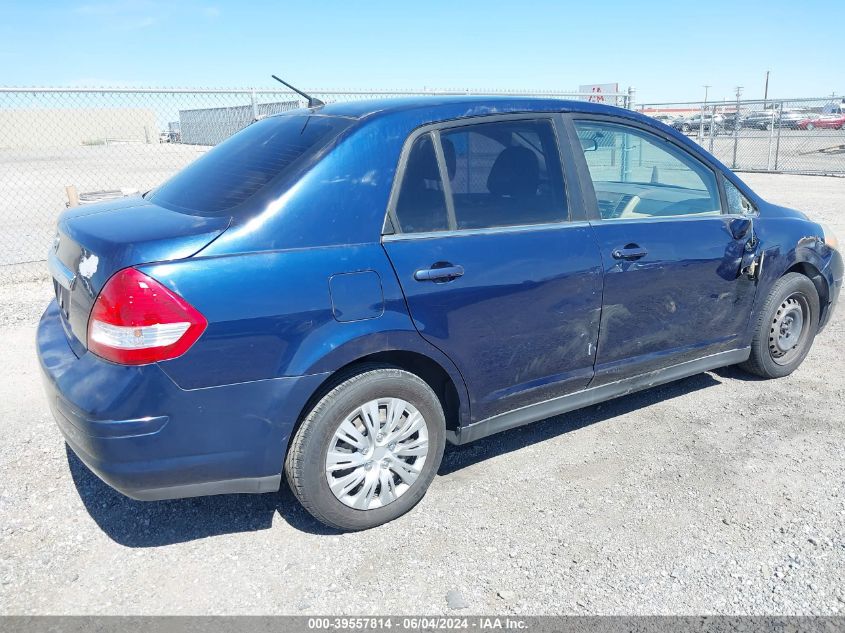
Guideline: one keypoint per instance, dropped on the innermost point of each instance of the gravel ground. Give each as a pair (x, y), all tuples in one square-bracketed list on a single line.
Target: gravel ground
[(715, 494)]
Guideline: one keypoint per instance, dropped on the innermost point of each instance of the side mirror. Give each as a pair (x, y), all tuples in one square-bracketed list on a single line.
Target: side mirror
[(740, 227), (589, 144)]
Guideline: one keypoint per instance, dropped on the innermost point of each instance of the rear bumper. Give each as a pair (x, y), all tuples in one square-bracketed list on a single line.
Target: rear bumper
[(149, 439)]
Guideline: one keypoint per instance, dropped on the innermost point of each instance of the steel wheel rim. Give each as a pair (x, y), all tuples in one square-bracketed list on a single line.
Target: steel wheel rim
[(788, 330), (376, 453)]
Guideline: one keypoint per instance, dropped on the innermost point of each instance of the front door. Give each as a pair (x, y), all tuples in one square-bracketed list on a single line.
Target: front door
[(672, 288), (495, 271)]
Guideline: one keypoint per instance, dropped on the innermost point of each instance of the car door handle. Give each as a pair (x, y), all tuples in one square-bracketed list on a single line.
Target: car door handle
[(444, 273), (629, 253)]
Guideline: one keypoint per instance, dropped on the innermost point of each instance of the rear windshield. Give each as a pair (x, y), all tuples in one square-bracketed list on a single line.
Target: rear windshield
[(244, 164)]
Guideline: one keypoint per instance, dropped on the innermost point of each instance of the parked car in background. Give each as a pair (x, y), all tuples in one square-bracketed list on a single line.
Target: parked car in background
[(666, 119), (729, 121), (791, 118), (755, 120), (170, 136), (693, 123), (333, 293), (823, 122), (766, 119), (834, 108)]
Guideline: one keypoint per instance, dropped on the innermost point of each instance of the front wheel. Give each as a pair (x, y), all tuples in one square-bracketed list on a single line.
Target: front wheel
[(368, 450), (785, 329)]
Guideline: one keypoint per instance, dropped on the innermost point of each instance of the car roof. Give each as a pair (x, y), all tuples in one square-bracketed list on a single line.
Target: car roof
[(399, 115), (454, 106)]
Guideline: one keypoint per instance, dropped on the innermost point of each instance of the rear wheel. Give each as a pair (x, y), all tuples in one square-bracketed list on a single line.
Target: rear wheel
[(786, 328), (810, 126), (367, 452)]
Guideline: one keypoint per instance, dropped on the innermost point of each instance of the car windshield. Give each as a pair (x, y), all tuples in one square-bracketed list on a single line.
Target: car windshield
[(247, 163)]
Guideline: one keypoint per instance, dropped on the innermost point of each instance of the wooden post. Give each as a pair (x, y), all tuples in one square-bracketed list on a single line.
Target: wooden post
[(72, 196)]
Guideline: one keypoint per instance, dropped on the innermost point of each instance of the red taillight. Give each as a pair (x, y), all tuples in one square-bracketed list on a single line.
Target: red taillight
[(136, 320)]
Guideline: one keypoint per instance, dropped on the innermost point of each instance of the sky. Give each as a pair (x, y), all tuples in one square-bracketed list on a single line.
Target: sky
[(666, 50)]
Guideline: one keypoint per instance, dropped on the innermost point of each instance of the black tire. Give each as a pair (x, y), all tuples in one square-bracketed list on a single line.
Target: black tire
[(685, 128), (305, 466), (767, 359)]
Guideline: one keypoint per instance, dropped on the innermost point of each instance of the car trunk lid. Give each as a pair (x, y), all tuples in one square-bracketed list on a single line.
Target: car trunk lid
[(94, 242)]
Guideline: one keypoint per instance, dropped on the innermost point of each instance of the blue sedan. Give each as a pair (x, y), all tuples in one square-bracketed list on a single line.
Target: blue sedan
[(334, 293)]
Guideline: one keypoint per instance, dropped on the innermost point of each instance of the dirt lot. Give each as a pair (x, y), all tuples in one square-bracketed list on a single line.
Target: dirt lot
[(715, 494), (32, 188), (821, 151)]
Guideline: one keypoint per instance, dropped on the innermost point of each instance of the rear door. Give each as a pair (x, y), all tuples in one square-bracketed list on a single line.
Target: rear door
[(671, 249), (496, 259)]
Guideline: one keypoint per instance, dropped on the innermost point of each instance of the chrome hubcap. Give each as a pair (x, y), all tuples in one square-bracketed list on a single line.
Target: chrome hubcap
[(376, 453), (786, 330)]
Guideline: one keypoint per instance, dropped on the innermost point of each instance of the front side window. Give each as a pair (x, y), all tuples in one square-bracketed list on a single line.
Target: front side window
[(503, 173), (738, 204), (637, 175)]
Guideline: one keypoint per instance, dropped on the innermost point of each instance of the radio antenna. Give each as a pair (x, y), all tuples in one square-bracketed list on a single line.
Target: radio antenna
[(313, 102)]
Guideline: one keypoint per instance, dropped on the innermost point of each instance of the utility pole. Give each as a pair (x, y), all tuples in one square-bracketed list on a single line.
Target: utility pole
[(766, 90), (701, 120), (736, 125)]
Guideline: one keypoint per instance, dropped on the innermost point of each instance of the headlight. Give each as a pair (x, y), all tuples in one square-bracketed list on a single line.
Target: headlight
[(829, 237)]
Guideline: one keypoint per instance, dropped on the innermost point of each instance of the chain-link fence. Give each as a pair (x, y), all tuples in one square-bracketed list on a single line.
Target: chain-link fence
[(63, 147), (803, 136)]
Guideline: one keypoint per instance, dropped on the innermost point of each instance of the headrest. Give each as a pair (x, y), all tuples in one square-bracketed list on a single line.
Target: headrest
[(423, 163), (449, 156), (516, 172)]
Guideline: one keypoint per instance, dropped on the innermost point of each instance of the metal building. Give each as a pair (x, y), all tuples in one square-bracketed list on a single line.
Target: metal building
[(210, 126)]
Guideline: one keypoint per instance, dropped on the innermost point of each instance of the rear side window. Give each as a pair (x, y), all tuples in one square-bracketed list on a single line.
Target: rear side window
[(421, 206), (499, 174), (246, 163)]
